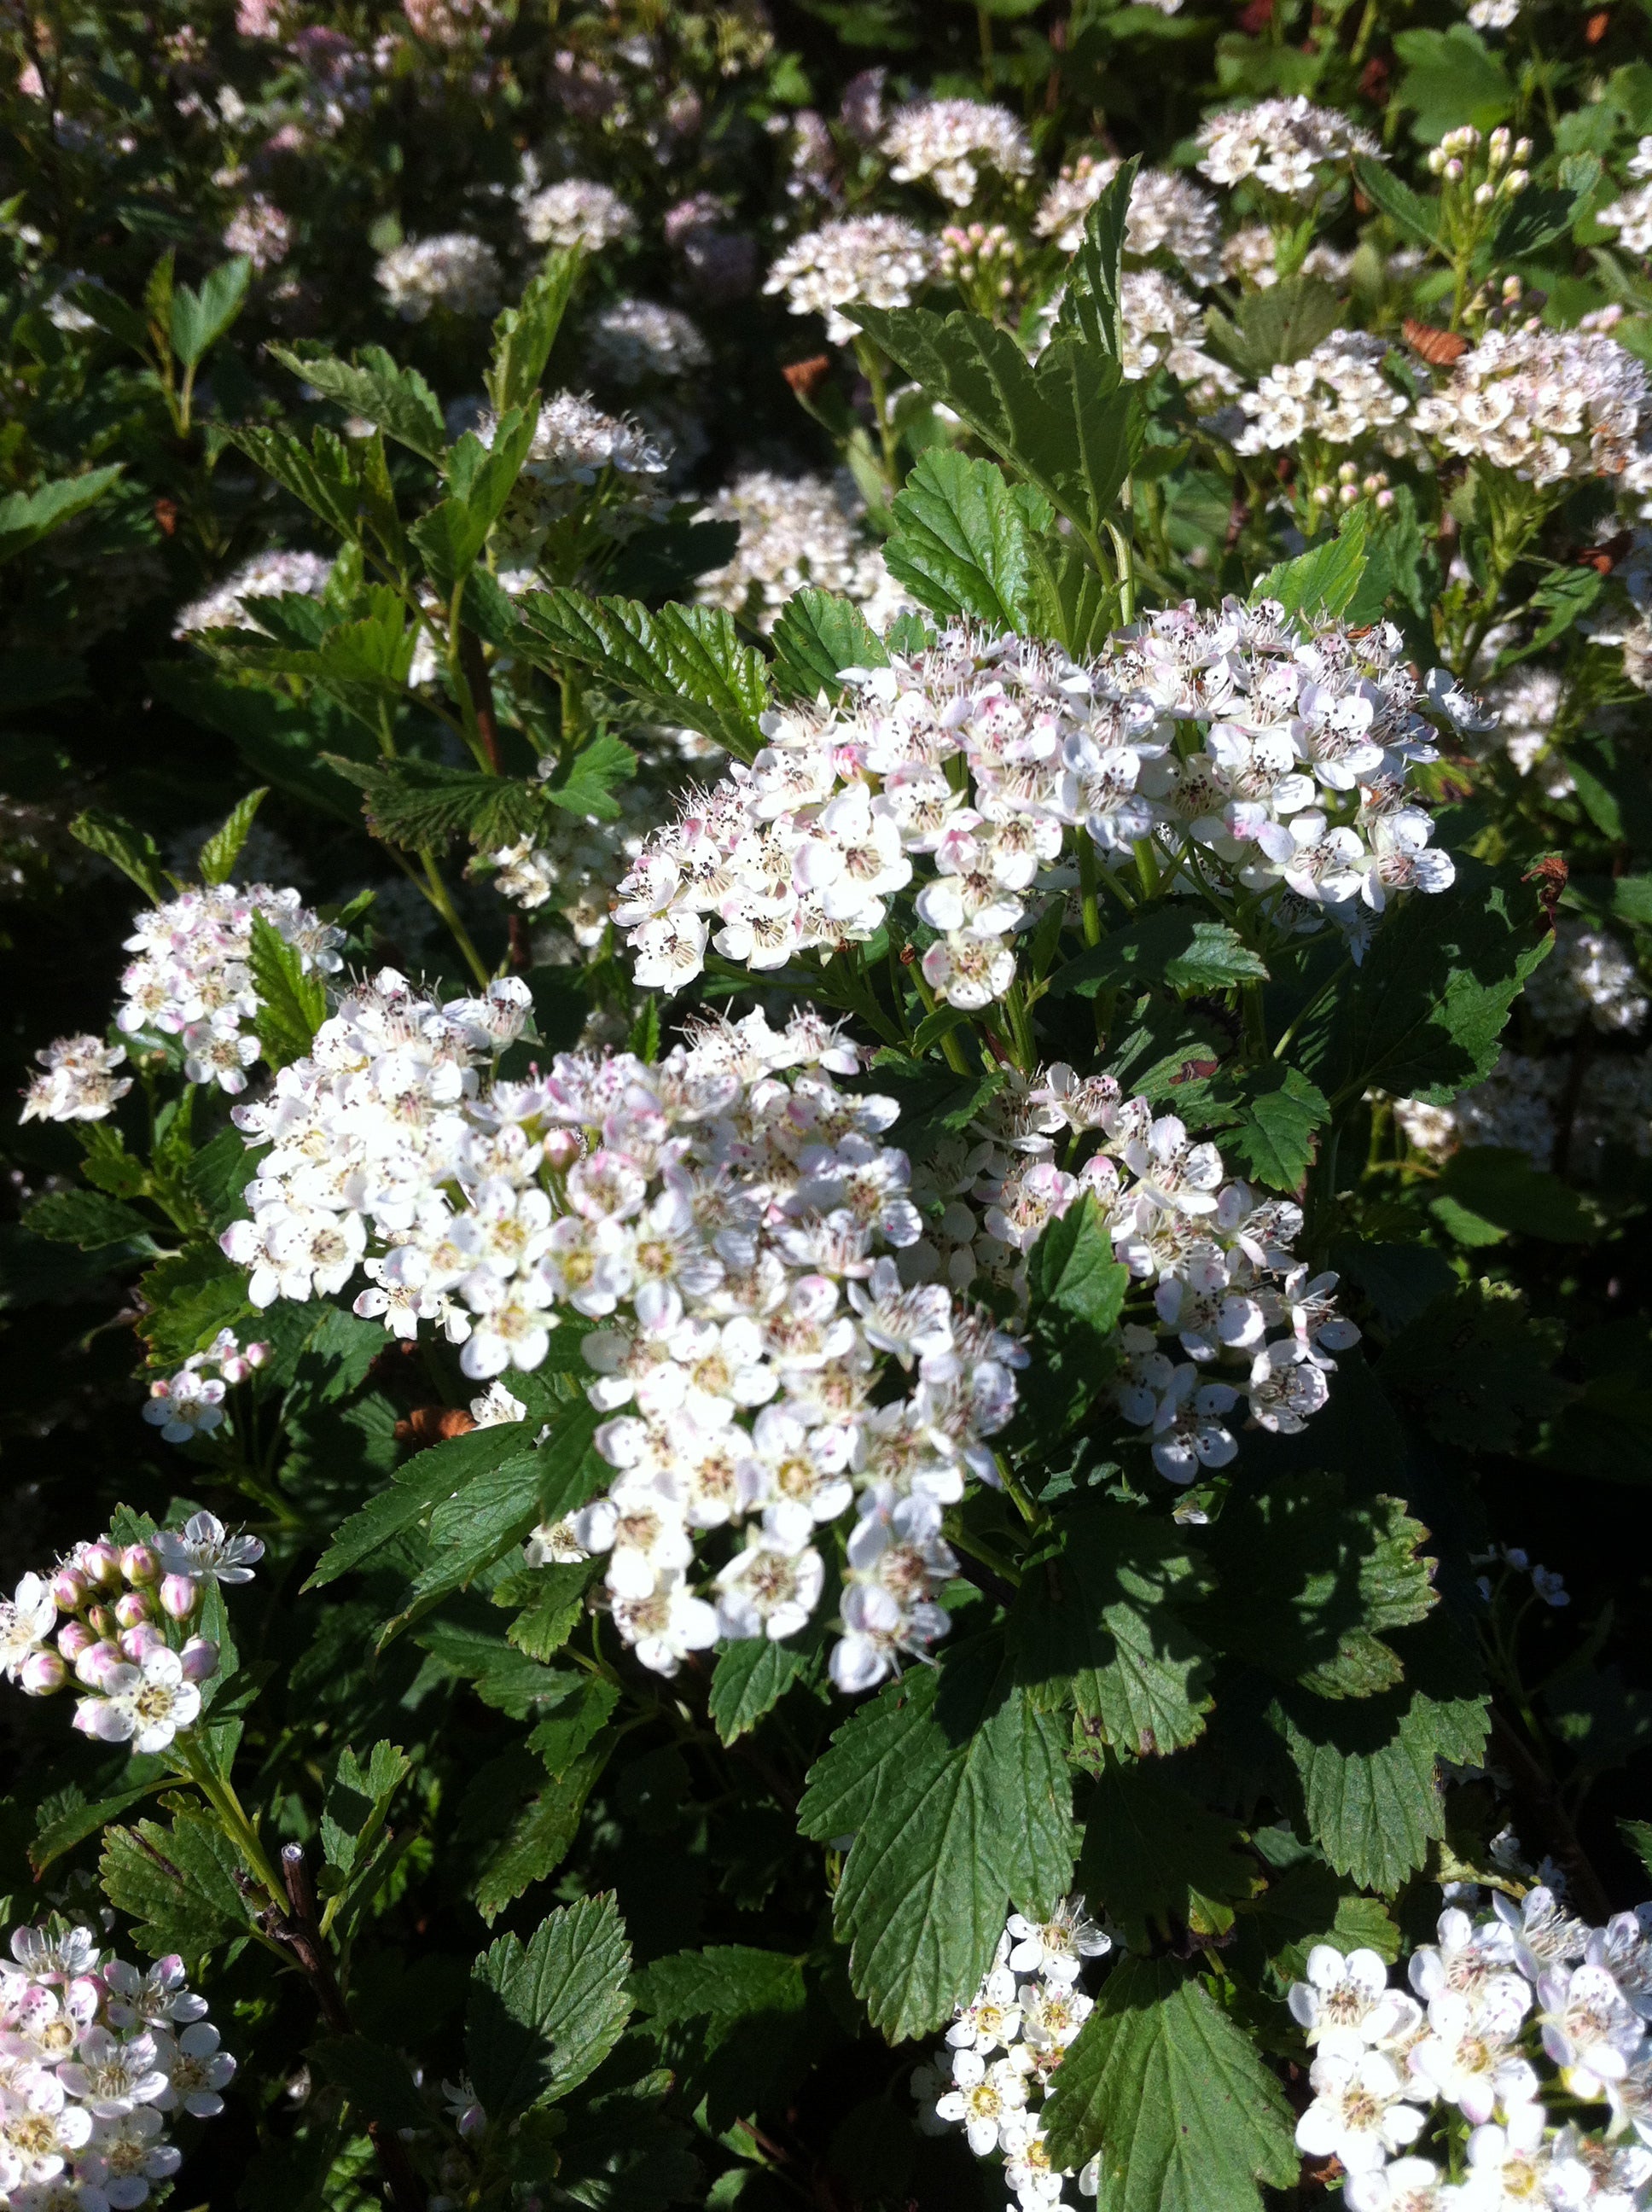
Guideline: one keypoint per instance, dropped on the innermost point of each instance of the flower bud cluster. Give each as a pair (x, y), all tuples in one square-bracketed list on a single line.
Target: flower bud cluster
[(126, 1613), (721, 1215), (191, 1403), (192, 978), (1006, 2046), (77, 1082), (1516, 2017), (1488, 170), (1241, 742), (96, 2056)]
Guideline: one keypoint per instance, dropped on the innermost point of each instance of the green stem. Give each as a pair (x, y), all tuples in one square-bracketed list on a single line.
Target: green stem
[(220, 1792), (1090, 903)]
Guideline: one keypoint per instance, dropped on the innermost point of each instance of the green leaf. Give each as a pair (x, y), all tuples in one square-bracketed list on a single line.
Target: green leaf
[(1368, 1766), (358, 1800), (452, 533), (199, 319), (1275, 1139), (1170, 944), (413, 803), (1098, 1621), (134, 852), (563, 1738), (816, 637), (1435, 991), (543, 2015), (1500, 1187), (1077, 1290), (725, 1982), (751, 1678), (80, 1820), (1173, 2096), (960, 543), (222, 848), (588, 783), (107, 1162), (1417, 218), (1320, 584), (1092, 309), (177, 1885), (1475, 1367), (957, 1792), (374, 2077), (292, 1003), (1452, 77), (504, 1677), (1540, 215), (1155, 1858), (1309, 1582), (26, 517), (441, 1472), (87, 1218), (185, 1300), (1062, 423), (398, 400), (525, 334), (1284, 323), (686, 663), (554, 1609), (542, 1835)]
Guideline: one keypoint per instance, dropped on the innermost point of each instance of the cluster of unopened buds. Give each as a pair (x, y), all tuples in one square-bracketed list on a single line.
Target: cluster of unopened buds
[(981, 259), (1003, 2051), (1516, 2018), (1351, 487), (191, 1403), (96, 2056), (1498, 172), (127, 1635)]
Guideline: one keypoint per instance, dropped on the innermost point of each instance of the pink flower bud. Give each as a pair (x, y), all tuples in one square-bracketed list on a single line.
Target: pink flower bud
[(200, 1658), (139, 1564), (94, 1665), (74, 1638), (132, 1606), (101, 1620), (100, 1562), (562, 1148), (69, 1589), (42, 1673), (137, 1643), (256, 1354), (181, 1596)]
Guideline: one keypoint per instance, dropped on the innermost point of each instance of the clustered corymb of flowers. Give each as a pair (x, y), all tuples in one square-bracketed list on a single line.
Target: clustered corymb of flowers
[(1518, 2017), (729, 1218), (1547, 406), (1291, 147), (191, 979), (455, 271), (96, 2056), (126, 1639), (266, 576), (1241, 742), (1003, 2051), (794, 531), (191, 1403)]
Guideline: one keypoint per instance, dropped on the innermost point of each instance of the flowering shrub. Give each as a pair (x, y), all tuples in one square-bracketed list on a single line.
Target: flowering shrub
[(826, 857)]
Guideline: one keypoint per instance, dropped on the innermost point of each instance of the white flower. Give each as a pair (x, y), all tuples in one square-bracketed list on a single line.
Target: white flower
[(111, 2076), (205, 1549), (771, 1587), (145, 1704), (878, 259), (26, 1619), (1547, 406), (76, 1083), (994, 2019), (1405, 2184), (1588, 2031), (1290, 146), (455, 271), (947, 142), (1359, 2113), (1508, 2163), (1345, 2002), (1056, 1948), (982, 2097), (667, 1625), (198, 2072), (575, 213)]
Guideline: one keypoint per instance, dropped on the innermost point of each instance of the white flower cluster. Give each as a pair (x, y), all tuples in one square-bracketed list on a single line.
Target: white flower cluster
[(1588, 976), (259, 229), (1280, 755), (1167, 214), (793, 531), (77, 1081), (191, 1403), (1291, 147), (872, 260), (605, 468), (1519, 1106), (631, 340), (722, 1222), (1337, 394), (1492, 1998), (266, 576), (95, 2054), (1526, 701), (191, 978), (1631, 216), (1549, 406), (126, 1613), (575, 213), (1164, 326), (1005, 2047), (1231, 1317), (948, 143), (454, 270)]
